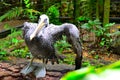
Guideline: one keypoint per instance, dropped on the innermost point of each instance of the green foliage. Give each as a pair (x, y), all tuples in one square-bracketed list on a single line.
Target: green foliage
[(21, 12), (92, 25), (13, 13), (53, 14), (3, 55), (7, 26), (27, 3), (70, 59), (12, 45), (87, 8), (22, 53), (102, 33), (109, 72), (116, 33), (30, 13), (86, 63), (62, 45), (82, 18)]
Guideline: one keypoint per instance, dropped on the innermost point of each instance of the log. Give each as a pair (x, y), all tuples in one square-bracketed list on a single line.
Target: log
[(5, 33)]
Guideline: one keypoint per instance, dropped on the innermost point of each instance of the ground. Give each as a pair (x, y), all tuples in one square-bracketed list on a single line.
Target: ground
[(10, 70)]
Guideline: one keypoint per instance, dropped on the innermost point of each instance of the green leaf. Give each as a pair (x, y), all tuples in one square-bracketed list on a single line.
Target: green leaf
[(53, 14), (109, 25), (3, 52), (78, 74), (14, 12), (14, 40), (117, 33), (86, 26), (97, 22), (91, 22), (102, 43), (109, 72), (28, 5)]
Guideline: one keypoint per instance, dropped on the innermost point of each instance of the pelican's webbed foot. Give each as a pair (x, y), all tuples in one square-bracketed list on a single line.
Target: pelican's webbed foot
[(38, 69)]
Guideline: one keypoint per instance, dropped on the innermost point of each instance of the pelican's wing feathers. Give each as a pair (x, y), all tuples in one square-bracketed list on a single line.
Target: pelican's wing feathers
[(56, 31)]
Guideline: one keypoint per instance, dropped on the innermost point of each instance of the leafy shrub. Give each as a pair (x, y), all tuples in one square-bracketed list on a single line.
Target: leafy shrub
[(13, 45), (20, 11), (101, 33), (30, 13), (53, 14), (13, 13), (62, 44)]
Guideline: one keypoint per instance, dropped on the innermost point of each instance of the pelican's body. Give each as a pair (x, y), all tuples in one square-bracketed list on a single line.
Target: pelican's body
[(41, 42)]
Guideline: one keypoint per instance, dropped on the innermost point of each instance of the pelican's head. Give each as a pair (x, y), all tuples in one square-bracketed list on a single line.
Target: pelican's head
[(43, 22), (44, 19)]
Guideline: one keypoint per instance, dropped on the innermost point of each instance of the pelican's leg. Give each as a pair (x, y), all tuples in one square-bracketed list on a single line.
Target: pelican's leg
[(58, 57), (54, 57), (31, 62), (28, 68), (45, 60)]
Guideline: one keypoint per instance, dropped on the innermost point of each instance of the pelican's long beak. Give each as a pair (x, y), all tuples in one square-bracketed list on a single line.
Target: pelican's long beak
[(38, 28)]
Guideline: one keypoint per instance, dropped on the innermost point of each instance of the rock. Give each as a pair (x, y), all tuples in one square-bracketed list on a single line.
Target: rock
[(13, 69), (115, 44), (5, 73), (55, 74), (16, 74), (50, 78), (8, 78), (16, 67), (5, 65)]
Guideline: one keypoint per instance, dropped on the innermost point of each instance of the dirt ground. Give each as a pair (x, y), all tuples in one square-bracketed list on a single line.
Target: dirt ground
[(10, 70), (12, 23)]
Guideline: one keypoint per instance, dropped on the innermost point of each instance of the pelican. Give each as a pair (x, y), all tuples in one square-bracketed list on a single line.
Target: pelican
[(40, 38)]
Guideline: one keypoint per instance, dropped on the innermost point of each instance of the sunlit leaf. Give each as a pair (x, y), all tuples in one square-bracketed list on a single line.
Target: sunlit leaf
[(110, 72)]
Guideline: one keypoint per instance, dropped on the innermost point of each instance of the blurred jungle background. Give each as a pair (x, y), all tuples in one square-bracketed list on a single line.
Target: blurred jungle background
[(97, 20)]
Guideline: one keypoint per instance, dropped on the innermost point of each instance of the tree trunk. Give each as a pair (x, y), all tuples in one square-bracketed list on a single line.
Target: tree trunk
[(106, 12), (97, 9), (76, 10)]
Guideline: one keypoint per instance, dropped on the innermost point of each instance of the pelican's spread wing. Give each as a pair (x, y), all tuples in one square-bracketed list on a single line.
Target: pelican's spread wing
[(56, 31)]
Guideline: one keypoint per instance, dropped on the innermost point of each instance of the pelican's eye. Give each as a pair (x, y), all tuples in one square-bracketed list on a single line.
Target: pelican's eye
[(45, 20)]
